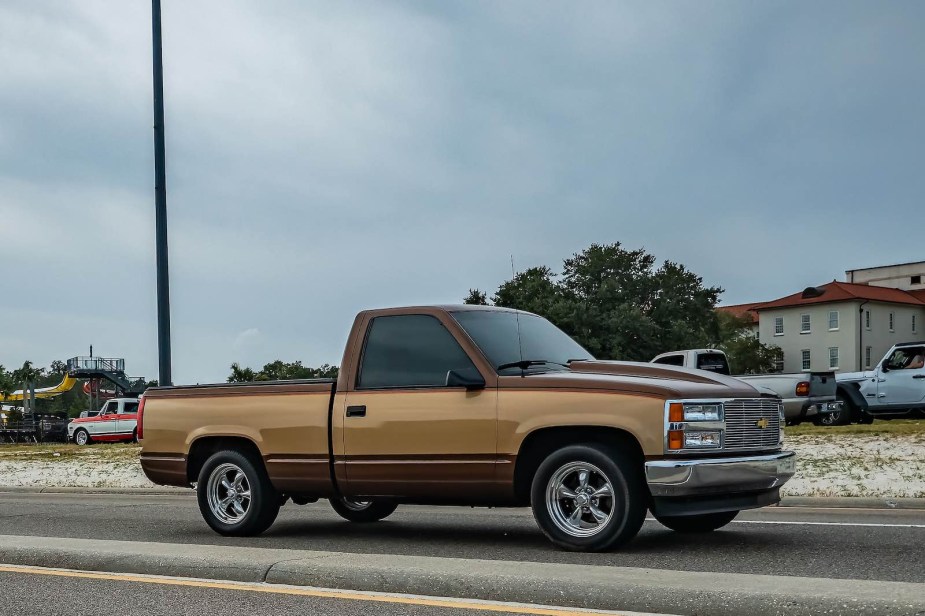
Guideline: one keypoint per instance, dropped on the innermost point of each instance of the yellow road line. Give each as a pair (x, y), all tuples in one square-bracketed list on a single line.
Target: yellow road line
[(459, 604)]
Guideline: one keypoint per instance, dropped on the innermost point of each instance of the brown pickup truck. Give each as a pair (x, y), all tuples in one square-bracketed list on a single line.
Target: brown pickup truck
[(474, 405)]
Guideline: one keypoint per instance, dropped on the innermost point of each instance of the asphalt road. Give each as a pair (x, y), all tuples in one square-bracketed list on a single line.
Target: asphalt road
[(41, 594), (805, 542)]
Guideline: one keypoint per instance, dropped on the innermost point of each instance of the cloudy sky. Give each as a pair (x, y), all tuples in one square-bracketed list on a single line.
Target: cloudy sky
[(325, 157)]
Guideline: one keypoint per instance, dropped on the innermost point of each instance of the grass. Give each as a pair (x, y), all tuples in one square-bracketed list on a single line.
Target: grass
[(110, 452), (905, 427)]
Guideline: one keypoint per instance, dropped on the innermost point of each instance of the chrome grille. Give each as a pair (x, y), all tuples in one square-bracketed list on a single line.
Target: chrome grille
[(742, 420)]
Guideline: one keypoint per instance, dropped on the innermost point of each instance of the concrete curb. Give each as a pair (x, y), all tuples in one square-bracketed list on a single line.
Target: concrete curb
[(567, 585)]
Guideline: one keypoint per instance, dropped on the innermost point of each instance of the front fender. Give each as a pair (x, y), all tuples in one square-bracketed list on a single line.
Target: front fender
[(852, 392)]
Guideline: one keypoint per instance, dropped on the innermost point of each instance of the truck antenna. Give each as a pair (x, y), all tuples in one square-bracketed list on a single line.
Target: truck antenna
[(520, 344)]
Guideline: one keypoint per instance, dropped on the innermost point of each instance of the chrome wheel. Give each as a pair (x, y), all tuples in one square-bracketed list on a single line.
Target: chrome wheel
[(81, 437), (229, 493), (579, 497), (355, 505)]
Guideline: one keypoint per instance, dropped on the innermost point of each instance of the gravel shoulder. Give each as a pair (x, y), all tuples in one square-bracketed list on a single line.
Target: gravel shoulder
[(886, 459)]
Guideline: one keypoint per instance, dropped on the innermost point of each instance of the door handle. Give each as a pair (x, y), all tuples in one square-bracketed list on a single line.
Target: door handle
[(881, 395), (356, 411), (918, 376)]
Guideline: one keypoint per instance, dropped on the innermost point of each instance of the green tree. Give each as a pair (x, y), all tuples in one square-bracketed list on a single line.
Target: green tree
[(281, 371), (476, 297), (617, 303), (746, 354)]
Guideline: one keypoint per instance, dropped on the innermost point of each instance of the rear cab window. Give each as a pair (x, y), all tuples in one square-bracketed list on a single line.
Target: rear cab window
[(713, 362)]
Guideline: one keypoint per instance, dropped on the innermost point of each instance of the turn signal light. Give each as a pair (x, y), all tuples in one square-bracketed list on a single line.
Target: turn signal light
[(675, 412), (803, 388), (675, 439)]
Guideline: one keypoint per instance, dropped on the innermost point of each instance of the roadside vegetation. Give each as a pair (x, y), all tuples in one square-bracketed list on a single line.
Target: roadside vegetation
[(906, 427)]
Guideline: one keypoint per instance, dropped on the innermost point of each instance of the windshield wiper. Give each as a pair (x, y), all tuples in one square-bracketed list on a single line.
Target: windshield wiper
[(526, 363)]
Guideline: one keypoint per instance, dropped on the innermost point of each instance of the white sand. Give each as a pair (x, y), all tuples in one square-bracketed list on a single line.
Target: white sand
[(828, 465)]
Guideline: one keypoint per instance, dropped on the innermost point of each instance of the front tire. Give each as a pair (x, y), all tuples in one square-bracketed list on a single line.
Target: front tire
[(82, 437), (360, 511), (235, 495), (589, 498), (691, 524)]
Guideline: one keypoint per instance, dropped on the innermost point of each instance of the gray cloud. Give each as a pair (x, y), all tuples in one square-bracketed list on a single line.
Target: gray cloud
[(324, 158)]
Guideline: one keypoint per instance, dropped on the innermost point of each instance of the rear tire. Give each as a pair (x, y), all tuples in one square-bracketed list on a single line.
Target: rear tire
[(690, 524), (589, 498), (362, 512), (235, 495), (841, 417)]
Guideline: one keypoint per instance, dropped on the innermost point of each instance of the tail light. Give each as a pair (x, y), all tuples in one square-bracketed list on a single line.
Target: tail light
[(141, 418), (803, 388)]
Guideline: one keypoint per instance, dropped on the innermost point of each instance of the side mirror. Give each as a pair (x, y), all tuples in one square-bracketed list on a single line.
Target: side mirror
[(885, 366), (470, 381)]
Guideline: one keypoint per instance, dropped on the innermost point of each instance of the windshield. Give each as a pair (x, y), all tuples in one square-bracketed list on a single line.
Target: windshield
[(495, 332)]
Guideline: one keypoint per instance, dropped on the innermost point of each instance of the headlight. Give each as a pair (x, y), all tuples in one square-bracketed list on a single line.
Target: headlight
[(680, 412), (711, 439)]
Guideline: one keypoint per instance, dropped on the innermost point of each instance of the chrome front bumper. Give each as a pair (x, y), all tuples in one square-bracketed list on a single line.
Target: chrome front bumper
[(717, 476)]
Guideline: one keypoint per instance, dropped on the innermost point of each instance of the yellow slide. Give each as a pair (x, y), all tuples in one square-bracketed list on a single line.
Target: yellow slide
[(45, 392)]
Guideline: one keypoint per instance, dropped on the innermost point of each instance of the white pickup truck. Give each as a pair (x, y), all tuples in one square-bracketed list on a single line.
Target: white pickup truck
[(894, 388), (807, 395)]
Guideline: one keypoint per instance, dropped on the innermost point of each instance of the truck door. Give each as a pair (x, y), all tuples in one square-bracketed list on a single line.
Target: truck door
[(406, 433), (903, 381), (128, 417), (105, 422)]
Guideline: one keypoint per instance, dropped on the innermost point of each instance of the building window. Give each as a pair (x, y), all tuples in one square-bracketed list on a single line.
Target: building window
[(916, 280), (833, 357), (867, 319), (778, 326), (833, 320), (806, 359), (804, 324), (779, 362), (914, 329), (892, 322), (867, 357)]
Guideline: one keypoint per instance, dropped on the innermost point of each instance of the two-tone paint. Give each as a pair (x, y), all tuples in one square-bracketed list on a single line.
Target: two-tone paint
[(321, 438)]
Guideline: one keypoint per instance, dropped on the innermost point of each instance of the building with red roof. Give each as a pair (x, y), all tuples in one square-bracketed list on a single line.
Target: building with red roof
[(844, 326)]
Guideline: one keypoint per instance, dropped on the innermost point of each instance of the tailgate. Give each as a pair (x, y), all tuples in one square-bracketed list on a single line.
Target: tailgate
[(822, 385)]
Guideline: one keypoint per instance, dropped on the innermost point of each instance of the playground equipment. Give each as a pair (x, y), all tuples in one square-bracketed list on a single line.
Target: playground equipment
[(109, 369)]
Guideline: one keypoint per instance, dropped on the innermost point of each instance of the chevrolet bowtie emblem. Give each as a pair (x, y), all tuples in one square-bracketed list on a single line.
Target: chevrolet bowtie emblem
[(762, 423)]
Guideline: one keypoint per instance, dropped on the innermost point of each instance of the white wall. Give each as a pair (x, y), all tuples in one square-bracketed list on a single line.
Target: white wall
[(894, 276), (848, 338)]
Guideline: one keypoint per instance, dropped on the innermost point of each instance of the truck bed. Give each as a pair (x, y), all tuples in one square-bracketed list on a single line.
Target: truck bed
[(287, 421)]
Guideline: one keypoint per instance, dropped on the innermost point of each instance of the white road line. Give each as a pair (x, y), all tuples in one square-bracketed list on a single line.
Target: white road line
[(795, 523)]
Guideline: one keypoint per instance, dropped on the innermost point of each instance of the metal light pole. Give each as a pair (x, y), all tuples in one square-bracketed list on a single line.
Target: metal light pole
[(160, 204)]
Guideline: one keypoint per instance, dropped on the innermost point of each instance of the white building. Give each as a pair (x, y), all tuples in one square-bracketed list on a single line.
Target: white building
[(844, 326)]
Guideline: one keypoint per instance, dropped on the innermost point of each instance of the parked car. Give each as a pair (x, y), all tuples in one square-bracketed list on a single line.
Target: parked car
[(116, 421), (894, 388), (474, 405), (807, 395)]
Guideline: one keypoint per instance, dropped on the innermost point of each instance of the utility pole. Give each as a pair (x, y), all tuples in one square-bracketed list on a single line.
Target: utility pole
[(160, 204)]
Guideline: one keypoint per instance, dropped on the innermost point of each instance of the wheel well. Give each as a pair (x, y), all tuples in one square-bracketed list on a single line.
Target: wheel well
[(852, 394), (203, 448), (543, 442)]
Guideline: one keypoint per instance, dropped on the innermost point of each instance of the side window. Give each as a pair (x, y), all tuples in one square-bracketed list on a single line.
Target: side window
[(907, 358), (107, 408), (130, 407), (671, 360), (410, 351)]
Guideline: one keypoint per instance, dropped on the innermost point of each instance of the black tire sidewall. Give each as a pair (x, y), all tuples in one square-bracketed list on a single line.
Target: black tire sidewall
[(704, 523), (265, 500), (630, 497), (377, 510)]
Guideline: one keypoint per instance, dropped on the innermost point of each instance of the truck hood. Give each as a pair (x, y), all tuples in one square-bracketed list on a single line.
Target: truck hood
[(853, 377), (640, 378)]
